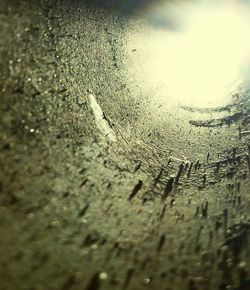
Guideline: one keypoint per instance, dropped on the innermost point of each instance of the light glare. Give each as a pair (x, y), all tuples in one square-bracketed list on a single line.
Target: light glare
[(201, 66)]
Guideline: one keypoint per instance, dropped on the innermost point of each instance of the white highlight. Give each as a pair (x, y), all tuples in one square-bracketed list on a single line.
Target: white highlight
[(201, 66), (101, 123)]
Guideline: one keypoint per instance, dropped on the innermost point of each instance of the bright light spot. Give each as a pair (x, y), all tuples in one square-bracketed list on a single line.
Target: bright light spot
[(200, 66)]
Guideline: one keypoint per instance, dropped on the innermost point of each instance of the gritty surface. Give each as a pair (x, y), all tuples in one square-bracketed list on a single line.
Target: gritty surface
[(162, 204)]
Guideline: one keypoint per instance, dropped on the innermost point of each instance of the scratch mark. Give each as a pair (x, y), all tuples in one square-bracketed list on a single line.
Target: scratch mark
[(137, 187)]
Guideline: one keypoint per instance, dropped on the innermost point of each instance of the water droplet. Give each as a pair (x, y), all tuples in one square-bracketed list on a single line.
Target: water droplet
[(31, 215), (146, 281), (103, 276), (94, 247), (84, 221), (54, 223)]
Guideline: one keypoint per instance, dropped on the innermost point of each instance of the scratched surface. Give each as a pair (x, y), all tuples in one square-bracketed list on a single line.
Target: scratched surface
[(161, 203)]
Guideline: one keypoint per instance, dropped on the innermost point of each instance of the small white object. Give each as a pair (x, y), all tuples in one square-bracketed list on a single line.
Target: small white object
[(101, 122)]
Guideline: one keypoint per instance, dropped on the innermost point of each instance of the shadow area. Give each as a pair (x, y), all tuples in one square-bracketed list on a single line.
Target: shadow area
[(126, 7), (158, 13)]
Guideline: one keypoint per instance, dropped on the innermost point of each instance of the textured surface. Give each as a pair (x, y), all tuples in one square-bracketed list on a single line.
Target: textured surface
[(163, 204)]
